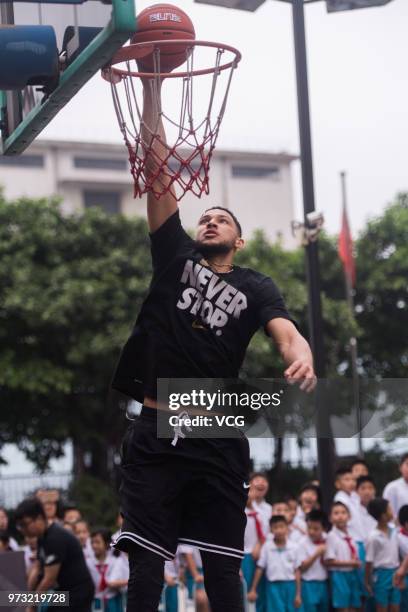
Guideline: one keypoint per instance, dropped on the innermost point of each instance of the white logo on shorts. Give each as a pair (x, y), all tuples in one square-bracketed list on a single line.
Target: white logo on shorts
[(246, 486)]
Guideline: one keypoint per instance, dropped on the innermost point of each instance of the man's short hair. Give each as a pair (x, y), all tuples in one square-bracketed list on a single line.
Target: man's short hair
[(377, 507), (362, 479), (309, 486), (231, 214), (317, 516), (403, 515), (30, 508), (359, 461), (341, 471), (277, 518), (403, 458), (105, 534), (258, 475)]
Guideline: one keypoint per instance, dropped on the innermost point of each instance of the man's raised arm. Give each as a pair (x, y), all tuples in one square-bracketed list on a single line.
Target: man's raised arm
[(158, 211)]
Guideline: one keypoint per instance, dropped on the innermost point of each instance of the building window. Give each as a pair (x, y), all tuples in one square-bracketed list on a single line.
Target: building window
[(22, 161), (100, 163), (255, 171), (109, 201)]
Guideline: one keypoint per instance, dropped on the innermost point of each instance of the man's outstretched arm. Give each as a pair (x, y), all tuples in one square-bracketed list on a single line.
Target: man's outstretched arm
[(295, 352), (158, 211)]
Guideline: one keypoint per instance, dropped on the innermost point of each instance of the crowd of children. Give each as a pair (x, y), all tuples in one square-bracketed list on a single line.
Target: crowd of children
[(295, 556), (299, 558)]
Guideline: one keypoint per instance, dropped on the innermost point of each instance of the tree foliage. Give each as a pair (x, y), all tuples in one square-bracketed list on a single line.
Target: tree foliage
[(70, 289), (382, 292)]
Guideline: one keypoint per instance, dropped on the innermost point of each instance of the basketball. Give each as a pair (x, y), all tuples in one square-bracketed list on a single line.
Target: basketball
[(163, 22)]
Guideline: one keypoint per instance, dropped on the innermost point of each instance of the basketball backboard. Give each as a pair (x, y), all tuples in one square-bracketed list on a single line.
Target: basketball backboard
[(88, 33)]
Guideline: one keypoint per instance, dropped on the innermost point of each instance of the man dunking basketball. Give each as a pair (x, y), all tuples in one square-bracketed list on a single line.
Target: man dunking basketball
[(193, 491)]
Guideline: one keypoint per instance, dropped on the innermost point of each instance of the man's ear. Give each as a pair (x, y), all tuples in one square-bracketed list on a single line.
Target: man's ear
[(239, 244)]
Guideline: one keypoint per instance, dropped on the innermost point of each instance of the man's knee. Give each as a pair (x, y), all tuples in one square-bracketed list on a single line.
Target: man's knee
[(222, 582), (146, 577)]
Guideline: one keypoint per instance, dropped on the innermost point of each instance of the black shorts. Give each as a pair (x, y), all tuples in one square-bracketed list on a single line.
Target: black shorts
[(192, 493)]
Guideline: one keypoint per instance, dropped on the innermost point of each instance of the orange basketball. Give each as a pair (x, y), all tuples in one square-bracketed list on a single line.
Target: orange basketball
[(163, 22)]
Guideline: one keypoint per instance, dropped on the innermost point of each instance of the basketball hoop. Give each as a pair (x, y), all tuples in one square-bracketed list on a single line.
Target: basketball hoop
[(185, 163)]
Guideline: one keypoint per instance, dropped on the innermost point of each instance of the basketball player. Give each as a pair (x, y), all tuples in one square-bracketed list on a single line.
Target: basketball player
[(196, 322)]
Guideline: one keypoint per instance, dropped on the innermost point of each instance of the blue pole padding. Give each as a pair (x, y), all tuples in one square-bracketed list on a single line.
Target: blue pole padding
[(28, 56)]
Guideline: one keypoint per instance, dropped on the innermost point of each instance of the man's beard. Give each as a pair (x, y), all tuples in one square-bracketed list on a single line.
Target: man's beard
[(213, 250)]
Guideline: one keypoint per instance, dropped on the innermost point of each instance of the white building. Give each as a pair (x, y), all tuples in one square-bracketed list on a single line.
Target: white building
[(256, 186)]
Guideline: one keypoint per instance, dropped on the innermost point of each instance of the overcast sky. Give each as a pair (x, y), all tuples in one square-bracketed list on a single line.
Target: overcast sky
[(358, 88)]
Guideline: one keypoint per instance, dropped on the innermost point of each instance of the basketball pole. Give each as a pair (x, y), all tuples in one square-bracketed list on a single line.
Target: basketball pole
[(324, 440)]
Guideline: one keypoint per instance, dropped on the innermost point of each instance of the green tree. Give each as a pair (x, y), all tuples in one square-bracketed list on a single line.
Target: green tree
[(287, 269), (382, 292), (70, 289)]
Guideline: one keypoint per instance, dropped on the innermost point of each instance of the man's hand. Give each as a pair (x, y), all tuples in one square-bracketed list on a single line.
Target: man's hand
[(170, 581), (398, 578), (252, 596), (298, 601), (320, 549), (303, 371), (368, 588), (295, 352)]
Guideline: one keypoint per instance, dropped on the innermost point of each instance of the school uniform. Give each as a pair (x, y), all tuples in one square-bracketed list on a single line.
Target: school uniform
[(190, 583), (264, 509), (88, 551), (300, 521), (354, 525), (256, 529), (315, 584), (396, 492), (368, 522), (102, 572), (344, 581), (170, 593), (383, 553), (13, 545), (295, 535), (403, 552), (279, 565)]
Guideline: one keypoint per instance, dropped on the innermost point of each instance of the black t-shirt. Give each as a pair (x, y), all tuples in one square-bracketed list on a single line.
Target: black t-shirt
[(194, 323), (58, 545)]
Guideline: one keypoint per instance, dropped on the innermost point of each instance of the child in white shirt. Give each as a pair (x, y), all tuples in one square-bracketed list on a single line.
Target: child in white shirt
[(403, 551), (295, 532), (256, 530), (365, 489), (110, 573), (311, 550), (194, 576), (382, 559), (345, 485), (278, 559), (396, 491), (342, 560)]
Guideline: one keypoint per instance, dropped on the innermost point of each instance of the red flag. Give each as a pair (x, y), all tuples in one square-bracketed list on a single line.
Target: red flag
[(345, 247)]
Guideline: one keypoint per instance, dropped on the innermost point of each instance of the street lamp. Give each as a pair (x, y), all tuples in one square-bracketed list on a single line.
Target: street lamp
[(324, 444)]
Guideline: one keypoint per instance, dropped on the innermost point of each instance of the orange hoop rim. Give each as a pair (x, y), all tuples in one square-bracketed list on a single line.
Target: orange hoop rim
[(138, 50)]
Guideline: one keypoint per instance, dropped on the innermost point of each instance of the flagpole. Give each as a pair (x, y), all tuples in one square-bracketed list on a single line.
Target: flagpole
[(353, 340)]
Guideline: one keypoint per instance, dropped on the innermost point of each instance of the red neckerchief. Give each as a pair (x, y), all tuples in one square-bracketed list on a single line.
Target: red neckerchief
[(351, 546), (258, 526), (404, 531), (317, 543), (102, 569)]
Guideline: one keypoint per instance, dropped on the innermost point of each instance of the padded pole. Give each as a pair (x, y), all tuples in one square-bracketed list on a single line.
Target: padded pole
[(29, 56)]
